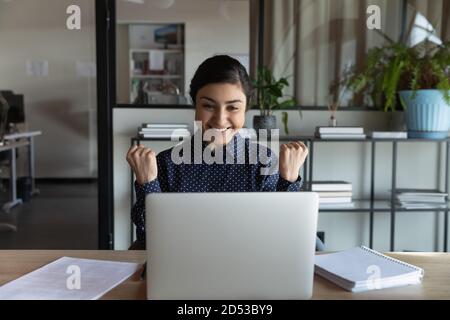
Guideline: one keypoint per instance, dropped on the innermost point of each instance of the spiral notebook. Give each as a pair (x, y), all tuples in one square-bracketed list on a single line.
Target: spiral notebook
[(361, 269)]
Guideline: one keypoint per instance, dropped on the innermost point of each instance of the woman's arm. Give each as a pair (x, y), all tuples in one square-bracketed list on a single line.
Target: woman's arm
[(287, 177), (138, 211), (150, 178)]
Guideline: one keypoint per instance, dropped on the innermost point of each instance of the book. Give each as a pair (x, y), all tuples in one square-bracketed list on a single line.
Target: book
[(419, 205), (328, 194), (362, 269), (335, 200), (344, 205), (340, 130), (162, 131), (420, 195), (156, 135), (418, 191), (330, 186), (421, 199), (341, 136), (164, 125), (389, 135)]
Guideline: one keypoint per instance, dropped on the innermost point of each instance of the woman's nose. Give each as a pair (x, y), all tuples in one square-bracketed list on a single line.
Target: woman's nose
[(220, 117)]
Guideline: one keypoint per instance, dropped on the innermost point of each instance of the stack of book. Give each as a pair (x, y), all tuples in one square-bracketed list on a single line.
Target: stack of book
[(333, 194), (163, 130), (420, 198), (340, 133), (389, 135)]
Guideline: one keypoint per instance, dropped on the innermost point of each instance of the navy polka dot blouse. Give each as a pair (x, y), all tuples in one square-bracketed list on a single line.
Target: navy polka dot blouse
[(229, 175)]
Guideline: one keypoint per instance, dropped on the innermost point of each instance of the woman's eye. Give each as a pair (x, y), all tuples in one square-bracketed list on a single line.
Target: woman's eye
[(233, 108), (208, 106)]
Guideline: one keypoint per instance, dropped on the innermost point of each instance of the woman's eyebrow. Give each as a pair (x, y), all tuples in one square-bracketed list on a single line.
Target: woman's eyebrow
[(209, 99), (227, 102), (234, 101)]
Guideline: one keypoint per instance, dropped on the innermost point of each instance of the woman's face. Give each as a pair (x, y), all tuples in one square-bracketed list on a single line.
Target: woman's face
[(221, 107)]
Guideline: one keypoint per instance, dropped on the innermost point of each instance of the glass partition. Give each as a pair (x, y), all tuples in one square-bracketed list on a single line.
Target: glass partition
[(161, 43)]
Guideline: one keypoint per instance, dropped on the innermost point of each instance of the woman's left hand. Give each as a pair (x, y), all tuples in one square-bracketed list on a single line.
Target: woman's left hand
[(292, 157)]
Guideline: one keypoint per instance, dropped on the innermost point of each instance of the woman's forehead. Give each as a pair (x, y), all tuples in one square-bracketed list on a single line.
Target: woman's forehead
[(222, 92)]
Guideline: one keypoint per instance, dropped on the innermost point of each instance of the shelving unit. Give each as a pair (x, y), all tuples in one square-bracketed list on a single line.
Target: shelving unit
[(156, 62), (173, 72), (370, 205)]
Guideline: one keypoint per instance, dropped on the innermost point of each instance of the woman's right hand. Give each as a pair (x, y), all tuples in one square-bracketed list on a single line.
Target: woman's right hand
[(143, 163)]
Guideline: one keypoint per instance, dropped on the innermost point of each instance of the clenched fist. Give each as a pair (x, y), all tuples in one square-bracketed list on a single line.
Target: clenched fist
[(292, 157), (143, 163)]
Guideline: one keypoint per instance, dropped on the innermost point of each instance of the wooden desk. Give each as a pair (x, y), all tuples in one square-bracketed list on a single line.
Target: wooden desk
[(436, 283)]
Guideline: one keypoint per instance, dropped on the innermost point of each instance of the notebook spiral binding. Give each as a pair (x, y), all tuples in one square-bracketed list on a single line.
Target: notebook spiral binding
[(392, 259)]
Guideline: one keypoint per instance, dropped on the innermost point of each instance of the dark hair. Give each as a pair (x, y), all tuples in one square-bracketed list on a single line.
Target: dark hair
[(221, 69)]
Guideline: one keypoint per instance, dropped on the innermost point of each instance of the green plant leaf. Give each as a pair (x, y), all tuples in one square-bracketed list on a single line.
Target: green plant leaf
[(284, 81), (284, 119), (402, 102), (287, 104), (274, 91), (270, 91)]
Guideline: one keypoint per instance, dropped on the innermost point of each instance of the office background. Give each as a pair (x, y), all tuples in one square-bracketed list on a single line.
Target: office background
[(64, 103), (418, 163)]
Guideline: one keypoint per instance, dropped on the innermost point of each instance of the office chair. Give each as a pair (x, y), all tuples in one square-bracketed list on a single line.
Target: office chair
[(320, 246), (4, 108)]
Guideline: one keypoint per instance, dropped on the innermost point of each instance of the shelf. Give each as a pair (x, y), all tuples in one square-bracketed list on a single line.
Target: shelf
[(155, 76), (134, 139), (380, 206), (368, 139), (163, 50)]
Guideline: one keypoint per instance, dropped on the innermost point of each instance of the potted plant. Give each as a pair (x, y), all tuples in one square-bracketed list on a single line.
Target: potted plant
[(269, 98), (419, 74)]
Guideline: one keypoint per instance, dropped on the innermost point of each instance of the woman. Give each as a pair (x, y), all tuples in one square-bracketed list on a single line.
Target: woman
[(221, 91)]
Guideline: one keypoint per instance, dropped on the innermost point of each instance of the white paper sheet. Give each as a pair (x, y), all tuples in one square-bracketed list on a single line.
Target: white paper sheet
[(156, 60), (37, 68), (86, 69), (69, 279)]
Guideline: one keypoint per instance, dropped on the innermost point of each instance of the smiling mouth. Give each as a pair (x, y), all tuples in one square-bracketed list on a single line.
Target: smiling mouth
[(221, 130)]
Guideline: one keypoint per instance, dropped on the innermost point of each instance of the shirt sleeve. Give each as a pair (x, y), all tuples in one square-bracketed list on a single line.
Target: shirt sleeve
[(277, 183), (138, 211), (158, 185), (284, 185), (274, 182)]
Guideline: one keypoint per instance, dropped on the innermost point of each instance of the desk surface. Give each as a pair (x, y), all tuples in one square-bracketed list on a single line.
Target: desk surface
[(12, 145), (25, 134), (435, 285)]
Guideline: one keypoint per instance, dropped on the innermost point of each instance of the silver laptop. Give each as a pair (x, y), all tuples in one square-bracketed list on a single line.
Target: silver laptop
[(231, 245)]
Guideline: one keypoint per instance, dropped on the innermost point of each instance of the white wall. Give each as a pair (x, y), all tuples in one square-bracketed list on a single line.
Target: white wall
[(417, 167), (61, 104)]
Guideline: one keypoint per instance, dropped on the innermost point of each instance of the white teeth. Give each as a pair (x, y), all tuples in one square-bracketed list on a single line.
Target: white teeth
[(221, 130)]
